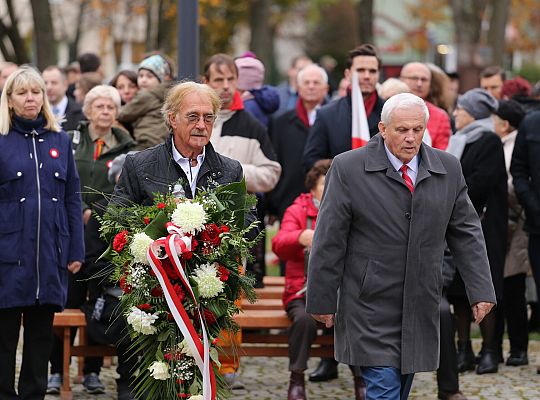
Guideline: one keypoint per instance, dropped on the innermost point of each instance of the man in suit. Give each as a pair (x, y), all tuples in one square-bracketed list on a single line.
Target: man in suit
[(57, 85), (331, 135), (376, 263)]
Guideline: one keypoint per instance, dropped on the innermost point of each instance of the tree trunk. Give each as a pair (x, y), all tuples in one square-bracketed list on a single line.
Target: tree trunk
[(497, 30), (365, 21), (262, 34), (467, 17), (19, 48), (43, 34), (74, 44)]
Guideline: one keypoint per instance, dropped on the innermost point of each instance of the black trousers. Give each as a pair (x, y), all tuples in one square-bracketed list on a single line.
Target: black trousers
[(37, 340), (302, 334), (515, 312), (77, 293), (447, 374)]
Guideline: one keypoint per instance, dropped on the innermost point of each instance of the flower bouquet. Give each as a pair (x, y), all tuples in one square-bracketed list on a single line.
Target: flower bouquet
[(178, 263)]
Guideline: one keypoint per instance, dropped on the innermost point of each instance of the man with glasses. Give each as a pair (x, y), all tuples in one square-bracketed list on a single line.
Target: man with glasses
[(418, 77), (187, 160)]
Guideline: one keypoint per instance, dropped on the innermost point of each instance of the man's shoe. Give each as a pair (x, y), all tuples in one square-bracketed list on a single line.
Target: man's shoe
[(92, 384), (54, 384), (359, 388), (465, 356), (325, 371), (518, 358), (454, 396), (297, 388), (489, 362)]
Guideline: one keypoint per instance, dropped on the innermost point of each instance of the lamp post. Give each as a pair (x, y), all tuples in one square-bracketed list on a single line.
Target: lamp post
[(187, 37)]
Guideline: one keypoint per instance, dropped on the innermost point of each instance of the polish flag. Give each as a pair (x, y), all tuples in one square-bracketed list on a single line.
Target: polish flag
[(360, 128)]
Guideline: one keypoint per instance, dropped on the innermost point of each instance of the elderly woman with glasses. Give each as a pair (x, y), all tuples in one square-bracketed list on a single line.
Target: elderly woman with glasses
[(41, 230), (96, 142)]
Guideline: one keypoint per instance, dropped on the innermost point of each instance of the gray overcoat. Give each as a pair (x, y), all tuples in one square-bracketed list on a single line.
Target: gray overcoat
[(377, 256)]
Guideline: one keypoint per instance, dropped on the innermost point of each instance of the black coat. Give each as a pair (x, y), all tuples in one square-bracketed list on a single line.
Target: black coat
[(485, 174), (74, 115), (331, 133), (288, 135), (525, 170)]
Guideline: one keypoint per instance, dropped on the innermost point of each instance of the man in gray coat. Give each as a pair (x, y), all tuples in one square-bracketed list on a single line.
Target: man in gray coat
[(376, 264)]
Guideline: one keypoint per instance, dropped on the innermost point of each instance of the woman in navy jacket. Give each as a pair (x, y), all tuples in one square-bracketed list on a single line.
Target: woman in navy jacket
[(41, 231)]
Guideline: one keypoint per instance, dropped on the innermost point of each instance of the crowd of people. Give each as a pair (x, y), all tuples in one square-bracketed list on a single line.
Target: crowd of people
[(286, 141)]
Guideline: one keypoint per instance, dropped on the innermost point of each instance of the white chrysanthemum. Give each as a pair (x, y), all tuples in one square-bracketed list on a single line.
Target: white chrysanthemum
[(141, 321), (139, 246), (190, 217), (159, 370), (185, 348), (207, 280)]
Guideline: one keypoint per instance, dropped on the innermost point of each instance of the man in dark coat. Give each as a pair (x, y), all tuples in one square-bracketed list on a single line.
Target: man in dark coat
[(289, 133), (376, 262), (525, 170), (62, 105), (331, 132)]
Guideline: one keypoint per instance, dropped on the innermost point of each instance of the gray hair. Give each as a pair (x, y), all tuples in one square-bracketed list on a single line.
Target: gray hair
[(321, 70), (98, 91), (400, 101)]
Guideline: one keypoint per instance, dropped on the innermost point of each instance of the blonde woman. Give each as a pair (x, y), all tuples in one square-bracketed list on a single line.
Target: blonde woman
[(41, 234)]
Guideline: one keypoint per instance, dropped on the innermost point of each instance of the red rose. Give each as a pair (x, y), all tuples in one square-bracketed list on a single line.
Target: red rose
[(211, 235), (187, 255), (209, 317), (223, 273), (144, 307), (167, 356), (146, 220), (169, 269), (126, 288), (120, 240), (194, 244), (224, 228), (179, 291), (161, 205), (156, 292)]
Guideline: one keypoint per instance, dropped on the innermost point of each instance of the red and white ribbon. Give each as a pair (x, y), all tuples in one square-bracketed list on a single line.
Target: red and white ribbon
[(200, 350)]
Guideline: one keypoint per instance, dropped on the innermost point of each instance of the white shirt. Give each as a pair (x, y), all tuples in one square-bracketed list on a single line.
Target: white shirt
[(412, 165), (312, 115), (185, 164), (60, 108)]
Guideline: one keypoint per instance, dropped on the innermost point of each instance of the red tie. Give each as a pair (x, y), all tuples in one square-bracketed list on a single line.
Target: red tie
[(406, 177), (99, 148)]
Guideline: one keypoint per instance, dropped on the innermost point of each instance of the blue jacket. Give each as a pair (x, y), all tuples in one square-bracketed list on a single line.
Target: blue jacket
[(264, 102), (41, 227)]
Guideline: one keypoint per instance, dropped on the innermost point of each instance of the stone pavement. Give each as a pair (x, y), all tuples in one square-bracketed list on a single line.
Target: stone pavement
[(267, 379)]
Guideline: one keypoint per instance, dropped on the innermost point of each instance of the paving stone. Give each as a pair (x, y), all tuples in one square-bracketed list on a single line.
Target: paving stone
[(267, 379)]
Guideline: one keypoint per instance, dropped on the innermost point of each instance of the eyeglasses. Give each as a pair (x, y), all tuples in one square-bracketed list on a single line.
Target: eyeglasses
[(207, 118), (416, 78)]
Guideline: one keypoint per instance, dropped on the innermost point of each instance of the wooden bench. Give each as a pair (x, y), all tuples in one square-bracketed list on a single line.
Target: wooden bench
[(263, 326), (65, 321)]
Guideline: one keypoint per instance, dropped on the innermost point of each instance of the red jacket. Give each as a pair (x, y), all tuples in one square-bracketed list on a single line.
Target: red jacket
[(286, 246), (438, 126)]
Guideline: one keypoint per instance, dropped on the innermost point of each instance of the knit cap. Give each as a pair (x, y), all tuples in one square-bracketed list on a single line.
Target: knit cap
[(511, 111), (478, 103), (250, 73), (157, 65)]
